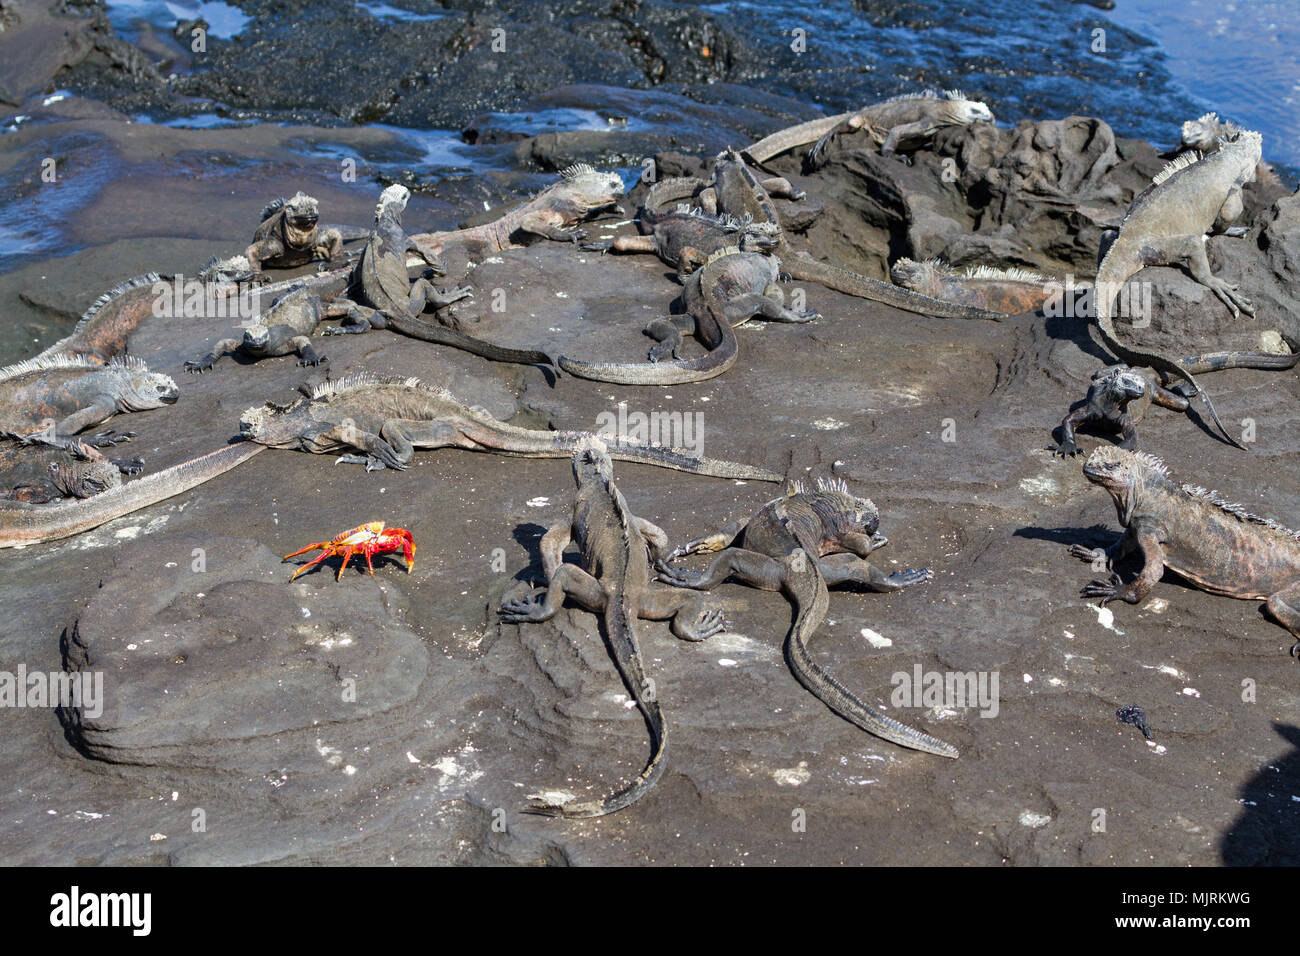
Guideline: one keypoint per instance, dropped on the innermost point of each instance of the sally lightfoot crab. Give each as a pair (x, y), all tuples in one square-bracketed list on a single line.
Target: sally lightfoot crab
[(368, 539)]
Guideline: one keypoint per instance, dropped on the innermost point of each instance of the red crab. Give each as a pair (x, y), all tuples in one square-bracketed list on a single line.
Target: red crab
[(368, 539)]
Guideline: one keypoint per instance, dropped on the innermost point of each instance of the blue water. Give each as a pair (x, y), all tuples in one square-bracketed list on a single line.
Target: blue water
[(385, 11), (224, 20)]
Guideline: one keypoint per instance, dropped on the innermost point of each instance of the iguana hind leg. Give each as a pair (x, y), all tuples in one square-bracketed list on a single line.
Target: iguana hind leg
[(1191, 250), (748, 567), (1284, 607), (568, 580), (668, 333), (690, 618), (851, 569)]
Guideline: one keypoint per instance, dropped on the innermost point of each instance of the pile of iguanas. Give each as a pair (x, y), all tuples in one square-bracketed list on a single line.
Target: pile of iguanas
[(726, 237)]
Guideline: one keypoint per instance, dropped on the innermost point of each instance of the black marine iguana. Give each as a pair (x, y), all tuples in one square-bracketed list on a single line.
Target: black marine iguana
[(1115, 387), (801, 544), (731, 288), (289, 236), (43, 474), (1168, 222), (1217, 546), (685, 237), (389, 300), (617, 552), (735, 190), (380, 421), (283, 329)]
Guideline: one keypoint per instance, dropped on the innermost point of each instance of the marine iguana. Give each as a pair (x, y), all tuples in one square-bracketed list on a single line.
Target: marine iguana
[(1115, 387), (554, 213), (384, 419), (40, 475), (731, 288), (735, 190), (105, 327), (23, 524), (802, 544), (1216, 546), (389, 300), (687, 236), (905, 122), (1008, 291), (617, 550), (1168, 223), (50, 400), (283, 329), (289, 236)]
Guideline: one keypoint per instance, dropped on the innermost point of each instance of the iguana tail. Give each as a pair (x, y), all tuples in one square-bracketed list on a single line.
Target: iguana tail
[(790, 138), (666, 193), (675, 372), (31, 524), (1217, 361), (1118, 266), (509, 439), (807, 589), (851, 283), (622, 640), (431, 332)]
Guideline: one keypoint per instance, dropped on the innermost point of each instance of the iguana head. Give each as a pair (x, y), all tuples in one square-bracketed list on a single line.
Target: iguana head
[(271, 424), (966, 111), (1202, 133), (918, 276), (590, 189), (1119, 384), (758, 236), (1123, 474), (393, 199), (300, 218), (841, 511), (139, 389), (591, 461), (1247, 146)]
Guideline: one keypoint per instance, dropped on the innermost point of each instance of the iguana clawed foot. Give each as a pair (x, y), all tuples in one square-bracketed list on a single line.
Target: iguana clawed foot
[(910, 576), (107, 439), (1109, 590), (1230, 296), (1097, 557), (1066, 449), (128, 466), (312, 359), (520, 610), (679, 577), (709, 623), (377, 462), (602, 246), (200, 366)]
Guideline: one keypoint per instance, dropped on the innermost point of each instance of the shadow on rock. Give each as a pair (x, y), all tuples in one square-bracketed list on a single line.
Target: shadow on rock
[(1268, 832)]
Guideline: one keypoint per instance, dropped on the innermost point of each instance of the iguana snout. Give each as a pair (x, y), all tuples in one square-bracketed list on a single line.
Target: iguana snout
[(149, 390), (1122, 382), (1109, 467), (256, 336)]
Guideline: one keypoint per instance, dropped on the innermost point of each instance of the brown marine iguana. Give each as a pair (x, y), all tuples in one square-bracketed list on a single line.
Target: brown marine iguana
[(1008, 291), (289, 236), (735, 190), (24, 524), (105, 327), (1216, 546), (554, 213), (1168, 223), (385, 419), (1115, 387), (687, 236), (731, 288), (613, 579), (905, 122), (49, 401), (801, 544), (389, 300)]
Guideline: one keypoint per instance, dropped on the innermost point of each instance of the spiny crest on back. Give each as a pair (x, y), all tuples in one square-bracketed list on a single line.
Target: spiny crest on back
[(722, 254), (927, 95), (577, 170), (271, 208), (63, 360), (1114, 455), (1173, 166), (148, 278), (1012, 274), (361, 380), (1238, 511)]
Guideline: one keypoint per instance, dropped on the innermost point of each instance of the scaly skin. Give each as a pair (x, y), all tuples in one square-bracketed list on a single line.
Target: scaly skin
[(617, 550), (1007, 291), (1218, 547), (105, 327), (381, 421), (801, 544), (1116, 387), (22, 525), (554, 213), (289, 236), (686, 237), (905, 122), (283, 329), (735, 190), (1168, 223), (731, 288), (385, 298), (37, 475), (49, 401)]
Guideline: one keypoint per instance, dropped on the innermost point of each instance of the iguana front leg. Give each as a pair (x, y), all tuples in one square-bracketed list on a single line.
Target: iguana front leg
[(668, 332), (862, 545), (744, 307), (1148, 539), (710, 543), (329, 245), (306, 354), (1069, 423), (378, 453), (219, 351), (1191, 250), (1106, 558), (548, 226), (850, 569), (782, 188), (263, 250), (748, 567), (425, 296)]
